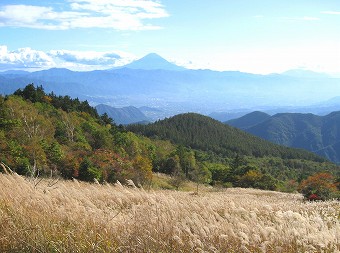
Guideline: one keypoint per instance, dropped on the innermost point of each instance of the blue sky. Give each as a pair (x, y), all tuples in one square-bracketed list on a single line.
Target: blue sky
[(246, 35)]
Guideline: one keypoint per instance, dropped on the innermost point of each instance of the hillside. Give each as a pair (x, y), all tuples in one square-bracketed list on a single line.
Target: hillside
[(318, 134), (44, 134), (204, 133), (124, 115)]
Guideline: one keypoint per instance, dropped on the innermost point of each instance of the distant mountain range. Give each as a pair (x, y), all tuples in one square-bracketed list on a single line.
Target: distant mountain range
[(321, 109), (156, 83), (304, 74), (319, 134)]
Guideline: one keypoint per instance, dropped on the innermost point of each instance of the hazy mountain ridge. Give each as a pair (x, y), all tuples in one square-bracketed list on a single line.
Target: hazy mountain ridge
[(304, 73), (249, 120), (125, 115), (144, 83), (319, 134)]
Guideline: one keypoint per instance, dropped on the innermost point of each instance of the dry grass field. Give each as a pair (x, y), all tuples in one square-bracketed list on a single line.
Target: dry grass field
[(81, 217)]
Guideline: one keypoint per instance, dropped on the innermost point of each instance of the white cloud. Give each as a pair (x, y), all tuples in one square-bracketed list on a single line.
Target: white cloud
[(331, 12), (310, 18), (115, 14), (77, 60), (301, 18), (86, 58), (36, 17), (91, 59), (24, 58)]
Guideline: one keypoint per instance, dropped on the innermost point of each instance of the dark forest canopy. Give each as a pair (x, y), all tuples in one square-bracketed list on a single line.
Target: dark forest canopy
[(204, 133)]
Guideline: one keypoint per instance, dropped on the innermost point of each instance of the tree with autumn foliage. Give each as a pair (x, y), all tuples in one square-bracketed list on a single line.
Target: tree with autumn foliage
[(33, 129), (320, 186), (142, 171)]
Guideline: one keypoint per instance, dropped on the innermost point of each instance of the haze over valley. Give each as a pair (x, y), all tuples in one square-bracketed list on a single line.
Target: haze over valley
[(154, 82)]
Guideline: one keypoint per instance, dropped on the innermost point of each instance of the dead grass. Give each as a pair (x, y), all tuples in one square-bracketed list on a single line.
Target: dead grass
[(82, 217)]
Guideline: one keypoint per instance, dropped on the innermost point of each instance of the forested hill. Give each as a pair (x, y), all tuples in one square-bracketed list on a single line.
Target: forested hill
[(204, 133), (45, 134), (318, 134)]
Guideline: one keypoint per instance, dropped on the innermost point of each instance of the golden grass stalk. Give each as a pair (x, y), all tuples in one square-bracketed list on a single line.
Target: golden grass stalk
[(83, 217)]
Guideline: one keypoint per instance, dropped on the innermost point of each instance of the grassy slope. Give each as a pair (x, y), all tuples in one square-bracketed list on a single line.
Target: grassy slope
[(81, 217)]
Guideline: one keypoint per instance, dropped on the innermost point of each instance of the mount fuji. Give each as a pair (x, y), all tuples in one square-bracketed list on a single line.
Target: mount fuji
[(153, 61)]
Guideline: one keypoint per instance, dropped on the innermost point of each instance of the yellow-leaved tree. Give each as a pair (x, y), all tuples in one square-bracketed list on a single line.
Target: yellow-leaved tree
[(142, 170)]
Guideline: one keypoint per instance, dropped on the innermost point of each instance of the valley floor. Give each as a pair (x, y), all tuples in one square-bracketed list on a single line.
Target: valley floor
[(68, 216)]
